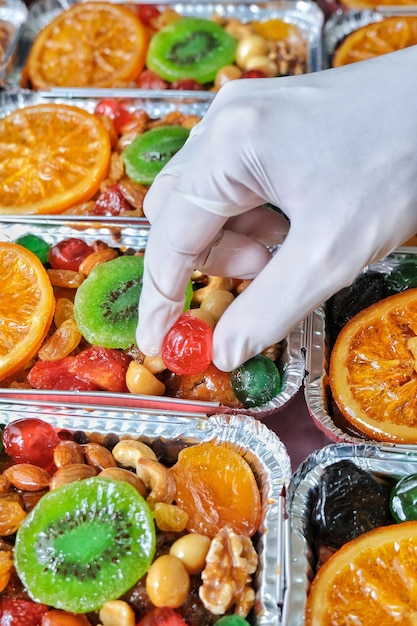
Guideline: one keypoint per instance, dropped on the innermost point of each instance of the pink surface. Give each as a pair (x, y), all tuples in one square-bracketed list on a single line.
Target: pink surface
[(296, 429)]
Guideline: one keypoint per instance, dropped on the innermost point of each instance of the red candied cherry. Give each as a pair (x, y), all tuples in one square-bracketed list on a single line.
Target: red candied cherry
[(30, 440), (149, 80), (254, 74), (148, 13), (68, 254), (20, 612), (111, 202), (163, 616), (187, 84), (115, 110), (186, 348), (56, 617), (104, 367)]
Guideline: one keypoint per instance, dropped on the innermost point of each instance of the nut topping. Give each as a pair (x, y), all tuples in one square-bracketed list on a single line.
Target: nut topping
[(230, 561)]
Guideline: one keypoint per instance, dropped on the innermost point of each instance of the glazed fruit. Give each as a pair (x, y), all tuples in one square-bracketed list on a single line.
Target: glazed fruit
[(148, 153), (30, 440), (190, 48), (56, 154), (368, 581), (377, 38), (69, 253), (162, 617), (349, 501), (26, 306), (85, 543), (96, 44), (231, 620), (403, 502), (21, 612), (217, 488), (186, 348), (403, 276), (35, 244), (373, 369), (106, 304), (256, 381)]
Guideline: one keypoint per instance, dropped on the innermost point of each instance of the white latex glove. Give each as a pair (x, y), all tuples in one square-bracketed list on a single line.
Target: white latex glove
[(336, 150)]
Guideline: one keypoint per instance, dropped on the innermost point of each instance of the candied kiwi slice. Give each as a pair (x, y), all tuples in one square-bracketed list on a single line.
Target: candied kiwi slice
[(191, 47), (85, 543), (148, 153), (106, 303)]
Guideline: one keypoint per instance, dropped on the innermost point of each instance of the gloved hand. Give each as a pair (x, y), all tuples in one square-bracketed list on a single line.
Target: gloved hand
[(336, 150)]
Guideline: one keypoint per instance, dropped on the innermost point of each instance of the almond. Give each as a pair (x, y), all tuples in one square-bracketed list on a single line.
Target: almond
[(27, 477), (98, 456), (68, 452), (70, 473)]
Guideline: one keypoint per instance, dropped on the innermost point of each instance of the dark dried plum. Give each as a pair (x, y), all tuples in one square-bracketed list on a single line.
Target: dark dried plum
[(369, 287), (349, 501)]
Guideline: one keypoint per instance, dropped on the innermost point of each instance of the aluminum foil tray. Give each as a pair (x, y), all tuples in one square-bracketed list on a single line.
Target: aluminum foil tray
[(392, 461), (135, 236), (316, 388), (303, 13), (13, 16), (168, 434)]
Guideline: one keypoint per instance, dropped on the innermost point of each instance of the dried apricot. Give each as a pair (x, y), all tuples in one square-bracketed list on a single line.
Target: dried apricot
[(216, 487)]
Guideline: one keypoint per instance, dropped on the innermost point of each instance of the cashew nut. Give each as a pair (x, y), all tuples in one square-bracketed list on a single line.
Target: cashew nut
[(161, 481), (119, 473), (213, 283), (128, 453)]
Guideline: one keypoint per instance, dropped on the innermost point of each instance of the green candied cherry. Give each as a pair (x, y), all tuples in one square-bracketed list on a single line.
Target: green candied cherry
[(231, 620), (403, 276), (191, 47), (256, 381), (148, 153), (403, 500), (85, 543), (35, 244)]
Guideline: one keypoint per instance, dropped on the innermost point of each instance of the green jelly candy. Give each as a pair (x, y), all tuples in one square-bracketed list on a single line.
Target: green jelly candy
[(85, 543), (148, 153), (404, 276), (403, 501), (256, 381), (231, 620), (35, 244)]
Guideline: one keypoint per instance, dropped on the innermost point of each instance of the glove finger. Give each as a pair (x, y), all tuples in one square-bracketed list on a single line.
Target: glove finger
[(157, 195), (175, 241), (264, 224), (276, 301), (235, 255)]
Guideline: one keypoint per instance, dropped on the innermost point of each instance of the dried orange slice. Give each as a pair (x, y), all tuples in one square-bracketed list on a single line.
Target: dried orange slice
[(374, 4), (375, 39), (26, 306), (52, 156), (371, 580), (92, 44), (373, 369)]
